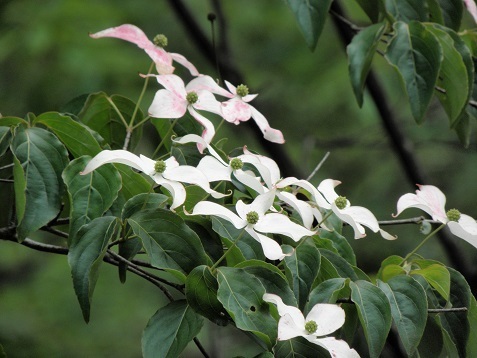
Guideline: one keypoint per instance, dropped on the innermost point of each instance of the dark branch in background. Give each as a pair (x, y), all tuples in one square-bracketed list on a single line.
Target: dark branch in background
[(401, 145), (231, 73)]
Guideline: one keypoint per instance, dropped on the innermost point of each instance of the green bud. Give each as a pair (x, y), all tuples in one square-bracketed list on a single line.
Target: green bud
[(242, 90), (341, 202), (192, 97), (453, 215), (311, 327), (236, 164), (160, 40), (252, 217), (160, 166)]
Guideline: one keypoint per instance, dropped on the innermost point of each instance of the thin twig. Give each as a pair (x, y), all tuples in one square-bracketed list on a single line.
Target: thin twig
[(318, 166)]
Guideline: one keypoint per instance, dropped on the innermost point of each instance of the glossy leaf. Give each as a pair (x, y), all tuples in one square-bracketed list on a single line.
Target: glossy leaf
[(374, 314), (342, 267), (201, 293), (361, 51), (340, 244), (326, 292), (408, 308), (391, 267), (90, 195), (241, 294), (302, 268), (75, 136), (310, 16), (39, 160), (299, 347), (85, 256), (133, 183), (416, 54), (438, 277), (452, 11), (170, 330), (406, 10)]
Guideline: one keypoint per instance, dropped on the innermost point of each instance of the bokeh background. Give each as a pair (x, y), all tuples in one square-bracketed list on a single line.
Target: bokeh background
[(47, 58)]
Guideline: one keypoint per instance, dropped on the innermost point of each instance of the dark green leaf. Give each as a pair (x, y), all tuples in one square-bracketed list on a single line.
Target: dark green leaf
[(5, 139), (452, 11), (39, 160), (360, 54), (416, 54), (170, 330), (374, 314), (302, 268), (435, 11), (471, 350), (341, 245), (241, 294), (432, 343), (133, 183), (407, 10), (408, 307), (90, 195), (310, 16), (168, 241), (12, 122), (85, 256), (75, 136), (371, 8), (326, 292), (142, 202), (342, 267), (438, 276), (299, 347)]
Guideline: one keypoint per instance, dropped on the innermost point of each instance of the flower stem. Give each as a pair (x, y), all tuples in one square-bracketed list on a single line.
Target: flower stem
[(422, 243), (169, 131), (214, 266)]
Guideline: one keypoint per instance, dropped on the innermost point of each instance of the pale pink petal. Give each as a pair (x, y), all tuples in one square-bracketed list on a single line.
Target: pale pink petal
[(427, 198), (174, 84), (472, 8), (214, 209), (328, 317), (270, 134), (184, 62), (209, 129), (167, 105), (289, 328), (284, 309), (271, 249), (465, 228), (207, 83), (235, 111), (231, 88), (207, 102), (336, 347), (117, 156), (275, 223), (267, 167), (176, 189), (233, 91)]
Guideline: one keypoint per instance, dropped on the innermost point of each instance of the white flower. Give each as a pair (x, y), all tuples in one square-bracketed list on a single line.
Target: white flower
[(167, 173), (255, 220), (355, 216), (431, 200), (322, 320)]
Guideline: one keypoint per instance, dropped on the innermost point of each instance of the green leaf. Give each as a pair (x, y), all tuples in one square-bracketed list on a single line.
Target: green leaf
[(342, 267), (168, 241), (432, 343), (299, 347), (326, 292), (310, 16), (449, 344), (452, 11), (133, 183), (170, 330), (85, 256), (409, 309), (416, 54), (39, 160), (100, 115), (5, 139), (302, 268), (438, 277), (374, 314), (201, 293), (471, 349), (390, 267), (340, 244), (456, 75), (75, 136), (371, 8), (90, 195), (12, 122), (360, 55), (435, 11), (142, 202), (407, 10), (271, 278), (241, 294)]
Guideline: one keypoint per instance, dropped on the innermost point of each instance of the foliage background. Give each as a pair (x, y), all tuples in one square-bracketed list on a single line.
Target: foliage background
[(47, 58)]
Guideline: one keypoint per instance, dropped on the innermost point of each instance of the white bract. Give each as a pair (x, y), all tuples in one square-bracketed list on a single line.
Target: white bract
[(432, 200), (322, 320), (255, 220), (167, 173)]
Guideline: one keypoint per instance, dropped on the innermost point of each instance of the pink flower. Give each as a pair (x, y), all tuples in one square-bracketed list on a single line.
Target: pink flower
[(162, 58), (472, 8)]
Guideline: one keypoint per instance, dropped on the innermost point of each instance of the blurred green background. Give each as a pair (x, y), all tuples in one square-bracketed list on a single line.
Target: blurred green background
[(47, 58)]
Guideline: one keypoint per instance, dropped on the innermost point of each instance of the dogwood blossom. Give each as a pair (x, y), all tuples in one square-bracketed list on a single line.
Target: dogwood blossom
[(355, 216), (161, 57), (167, 173), (432, 200), (472, 8), (255, 220), (322, 320), (176, 99)]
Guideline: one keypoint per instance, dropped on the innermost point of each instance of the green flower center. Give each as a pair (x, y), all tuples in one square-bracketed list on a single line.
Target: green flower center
[(242, 90), (341, 202), (311, 327), (160, 40), (192, 97), (252, 217), (453, 215), (236, 164), (160, 166)]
